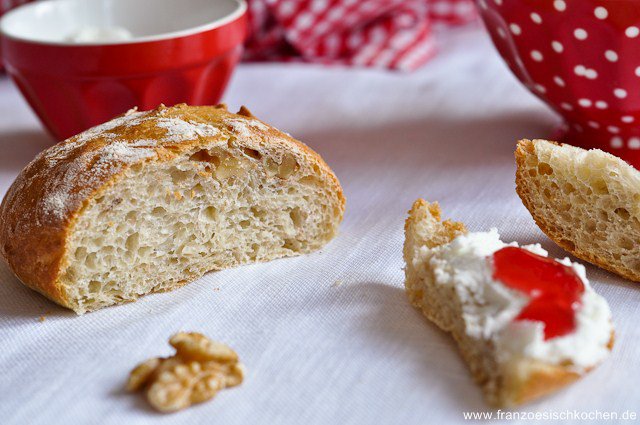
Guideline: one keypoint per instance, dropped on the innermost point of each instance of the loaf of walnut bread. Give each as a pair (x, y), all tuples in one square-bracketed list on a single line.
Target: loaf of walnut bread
[(152, 200)]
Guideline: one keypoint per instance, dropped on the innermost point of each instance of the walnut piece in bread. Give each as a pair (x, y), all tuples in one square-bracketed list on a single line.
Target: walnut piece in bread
[(152, 200), (450, 276), (586, 201), (199, 369)]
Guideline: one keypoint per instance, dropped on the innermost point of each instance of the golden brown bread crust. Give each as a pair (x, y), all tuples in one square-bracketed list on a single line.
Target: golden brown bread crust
[(38, 212), (524, 149), (534, 380)]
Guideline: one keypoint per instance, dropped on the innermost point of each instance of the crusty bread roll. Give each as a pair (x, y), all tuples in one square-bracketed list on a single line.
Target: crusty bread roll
[(585, 201), (508, 359), (152, 200)]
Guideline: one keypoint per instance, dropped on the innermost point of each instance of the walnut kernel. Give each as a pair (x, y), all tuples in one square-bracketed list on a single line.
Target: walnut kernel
[(199, 369)]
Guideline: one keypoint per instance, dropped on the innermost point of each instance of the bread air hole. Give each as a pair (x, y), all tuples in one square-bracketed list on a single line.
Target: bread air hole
[(565, 206), (80, 254), (197, 190), (297, 217), (600, 187), (310, 181), (258, 212), (622, 213), (132, 243), (568, 188), (158, 212), (291, 244), (95, 286), (545, 169), (570, 246), (178, 176), (252, 153), (204, 155), (625, 243), (90, 261), (210, 213), (287, 167)]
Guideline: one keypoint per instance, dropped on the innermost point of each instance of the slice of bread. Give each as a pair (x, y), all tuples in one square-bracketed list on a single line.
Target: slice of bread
[(507, 374), (153, 200), (588, 202)]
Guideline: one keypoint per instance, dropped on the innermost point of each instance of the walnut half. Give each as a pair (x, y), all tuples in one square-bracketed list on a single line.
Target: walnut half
[(199, 369)]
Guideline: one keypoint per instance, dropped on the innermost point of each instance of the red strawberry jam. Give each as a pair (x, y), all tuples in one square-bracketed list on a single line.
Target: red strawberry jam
[(555, 289)]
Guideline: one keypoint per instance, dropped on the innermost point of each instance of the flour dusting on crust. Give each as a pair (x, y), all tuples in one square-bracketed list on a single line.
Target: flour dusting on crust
[(84, 162), (179, 130), (89, 167), (89, 170), (242, 126)]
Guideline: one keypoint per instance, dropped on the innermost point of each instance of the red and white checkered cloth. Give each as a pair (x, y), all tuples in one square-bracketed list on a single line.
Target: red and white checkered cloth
[(395, 34)]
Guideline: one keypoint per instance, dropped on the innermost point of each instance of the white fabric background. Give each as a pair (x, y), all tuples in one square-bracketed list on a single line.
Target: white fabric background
[(328, 338)]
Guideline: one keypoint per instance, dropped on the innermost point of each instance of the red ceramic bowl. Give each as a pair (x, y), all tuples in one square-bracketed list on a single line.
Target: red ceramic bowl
[(80, 63), (5, 6), (582, 57)]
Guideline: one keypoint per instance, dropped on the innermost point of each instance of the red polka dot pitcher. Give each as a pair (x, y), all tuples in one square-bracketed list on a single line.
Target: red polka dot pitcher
[(582, 57)]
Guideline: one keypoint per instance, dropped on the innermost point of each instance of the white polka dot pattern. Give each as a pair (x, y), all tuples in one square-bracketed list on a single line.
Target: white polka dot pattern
[(601, 12), (616, 142), (632, 32), (620, 93), (611, 56), (583, 58), (580, 34), (585, 103)]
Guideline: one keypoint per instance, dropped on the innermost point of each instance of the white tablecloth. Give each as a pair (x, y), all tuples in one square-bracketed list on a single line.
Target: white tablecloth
[(327, 338)]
